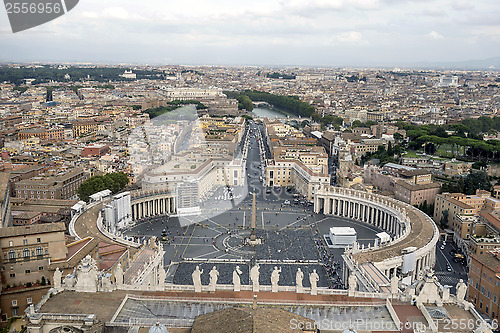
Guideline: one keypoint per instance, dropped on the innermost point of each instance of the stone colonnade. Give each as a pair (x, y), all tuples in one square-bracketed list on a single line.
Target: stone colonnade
[(356, 209), (386, 214), (148, 206)]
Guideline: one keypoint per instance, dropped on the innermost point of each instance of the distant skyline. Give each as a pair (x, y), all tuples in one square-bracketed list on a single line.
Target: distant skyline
[(260, 32)]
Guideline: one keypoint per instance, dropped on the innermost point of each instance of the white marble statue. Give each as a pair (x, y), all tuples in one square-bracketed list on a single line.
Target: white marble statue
[(236, 279), (119, 275), (57, 278), (313, 279), (275, 278), (105, 282), (394, 284), (299, 276), (197, 279), (254, 276), (162, 275), (353, 281), (86, 275), (214, 275), (461, 290)]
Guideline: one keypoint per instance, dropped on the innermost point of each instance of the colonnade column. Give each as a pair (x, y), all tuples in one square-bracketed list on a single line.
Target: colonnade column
[(326, 206)]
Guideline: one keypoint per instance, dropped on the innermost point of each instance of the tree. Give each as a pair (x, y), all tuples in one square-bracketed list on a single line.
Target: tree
[(390, 151), (245, 102), (115, 182), (356, 123), (444, 219), (478, 165), (476, 181)]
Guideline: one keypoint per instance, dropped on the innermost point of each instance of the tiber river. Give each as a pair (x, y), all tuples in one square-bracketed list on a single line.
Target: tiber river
[(265, 112)]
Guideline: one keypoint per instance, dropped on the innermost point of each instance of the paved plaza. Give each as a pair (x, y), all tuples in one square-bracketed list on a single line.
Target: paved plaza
[(291, 234)]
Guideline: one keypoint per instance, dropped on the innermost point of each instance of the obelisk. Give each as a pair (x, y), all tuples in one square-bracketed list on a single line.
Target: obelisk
[(254, 216)]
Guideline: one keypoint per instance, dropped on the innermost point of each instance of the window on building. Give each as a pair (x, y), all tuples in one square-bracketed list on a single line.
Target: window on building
[(40, 268), (29, 300), (25, 242), (38, 240), (39, 251), (26, 253), (27, 271), (11, 243), (12, 254)]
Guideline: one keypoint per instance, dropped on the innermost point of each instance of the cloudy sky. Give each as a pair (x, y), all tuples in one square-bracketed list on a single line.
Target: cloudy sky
[(262, 32)]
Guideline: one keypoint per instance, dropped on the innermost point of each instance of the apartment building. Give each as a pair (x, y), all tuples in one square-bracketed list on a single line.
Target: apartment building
[(84, 127), (5, 213), (459, 207), (61, 186), (51, 134), (296, 160), (452, 169), (410, 185), (25, 256), (484, 283)]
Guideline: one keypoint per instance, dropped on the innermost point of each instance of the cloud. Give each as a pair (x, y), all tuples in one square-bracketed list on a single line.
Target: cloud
[(399, 30), (350, 37), (462, 5), (435, 35), (434, 12)]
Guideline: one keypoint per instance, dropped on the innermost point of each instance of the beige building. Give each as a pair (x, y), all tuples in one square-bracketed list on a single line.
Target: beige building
[(452, 169), (62, 186), (410, 185), (484, 283), (5, 214), (416, 194), (459, 206), (292, 172), (296, 160), (454, 204), (27, 251)]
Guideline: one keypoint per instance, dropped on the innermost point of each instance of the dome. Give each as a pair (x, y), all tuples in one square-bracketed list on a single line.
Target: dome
[(158, 328)]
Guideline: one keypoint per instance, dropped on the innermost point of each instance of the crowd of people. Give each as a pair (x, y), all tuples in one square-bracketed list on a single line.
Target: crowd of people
[(333, 267)]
